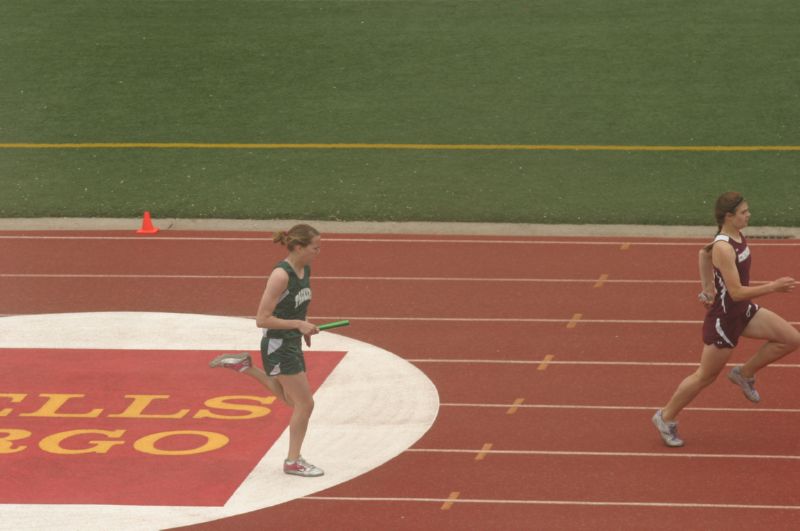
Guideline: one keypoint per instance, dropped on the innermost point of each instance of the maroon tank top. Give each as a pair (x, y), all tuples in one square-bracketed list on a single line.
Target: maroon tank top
[(723, 303)]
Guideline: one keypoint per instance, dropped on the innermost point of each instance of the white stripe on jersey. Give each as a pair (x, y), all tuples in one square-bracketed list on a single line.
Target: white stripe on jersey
[(722, 292)]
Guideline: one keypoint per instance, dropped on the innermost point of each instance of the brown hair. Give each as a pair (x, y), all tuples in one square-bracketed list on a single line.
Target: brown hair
[(727, 203), (298, 235)]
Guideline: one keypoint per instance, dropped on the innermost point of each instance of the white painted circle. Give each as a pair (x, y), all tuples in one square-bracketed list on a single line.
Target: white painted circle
[(388, 405)]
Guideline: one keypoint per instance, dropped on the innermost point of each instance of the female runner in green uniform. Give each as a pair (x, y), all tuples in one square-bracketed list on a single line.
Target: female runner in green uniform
[(282, 316)]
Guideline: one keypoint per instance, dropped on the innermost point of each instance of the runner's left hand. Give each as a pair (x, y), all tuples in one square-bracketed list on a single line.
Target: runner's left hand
[(706, 298)]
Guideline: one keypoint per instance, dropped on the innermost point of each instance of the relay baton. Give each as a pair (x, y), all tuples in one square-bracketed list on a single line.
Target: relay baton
[(334, 324)]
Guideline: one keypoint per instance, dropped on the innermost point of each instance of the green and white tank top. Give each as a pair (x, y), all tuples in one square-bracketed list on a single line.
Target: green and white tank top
[(293, 303)]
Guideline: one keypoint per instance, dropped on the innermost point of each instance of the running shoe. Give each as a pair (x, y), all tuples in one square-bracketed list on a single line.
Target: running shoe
[(301, 467), (237, 362), (667, 430), (747, 385)]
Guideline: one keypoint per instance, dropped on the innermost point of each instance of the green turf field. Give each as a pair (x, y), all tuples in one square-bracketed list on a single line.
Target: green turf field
[(428, 72)]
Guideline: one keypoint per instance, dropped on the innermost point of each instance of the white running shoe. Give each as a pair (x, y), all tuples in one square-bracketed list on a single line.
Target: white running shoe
[(747, 385), (300, 467), (667, 430), (237, 362)]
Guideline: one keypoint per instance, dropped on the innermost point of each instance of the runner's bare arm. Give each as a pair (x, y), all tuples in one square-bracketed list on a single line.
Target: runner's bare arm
[(724, 258), (707, 289)]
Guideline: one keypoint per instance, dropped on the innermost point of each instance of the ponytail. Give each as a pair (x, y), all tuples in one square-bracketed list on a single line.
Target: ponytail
[(281, 237), (298, 235)]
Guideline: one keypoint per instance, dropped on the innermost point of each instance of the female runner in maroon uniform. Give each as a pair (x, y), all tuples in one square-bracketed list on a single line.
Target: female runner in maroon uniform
[(725, 276)]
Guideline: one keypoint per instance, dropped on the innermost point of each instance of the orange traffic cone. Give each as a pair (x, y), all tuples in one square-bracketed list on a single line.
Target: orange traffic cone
[(147, 225)]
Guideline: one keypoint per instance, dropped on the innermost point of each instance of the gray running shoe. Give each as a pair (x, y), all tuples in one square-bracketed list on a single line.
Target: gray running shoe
[(237, 362), (301, 467), (747, 385), (667, 430)]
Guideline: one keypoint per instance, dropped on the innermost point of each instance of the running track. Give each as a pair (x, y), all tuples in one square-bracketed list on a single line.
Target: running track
[(549, 354)]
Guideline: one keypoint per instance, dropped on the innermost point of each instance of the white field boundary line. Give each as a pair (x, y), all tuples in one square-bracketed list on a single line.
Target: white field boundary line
[(473, 320), (620, 408), (612, 363), (672, 505), (601, 454), (518, 320), (358, 278), (330, 239)]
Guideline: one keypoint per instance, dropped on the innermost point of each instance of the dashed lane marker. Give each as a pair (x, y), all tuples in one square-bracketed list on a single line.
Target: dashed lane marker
[(545, 362), (450, 500), (574, 321), (513, 409), (483, 452)]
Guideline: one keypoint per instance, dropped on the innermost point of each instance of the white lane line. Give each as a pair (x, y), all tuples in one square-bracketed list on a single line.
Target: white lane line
[(515, 320), (114, 275), (619, 408), (603, 454), (354, 278), (549, 362), (472, 320), (559, 502), (524, 320), (333, 239)]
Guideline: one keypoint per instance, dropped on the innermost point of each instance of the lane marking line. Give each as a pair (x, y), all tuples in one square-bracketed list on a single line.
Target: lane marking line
[(527, 320), (478, 319), (513, 409), (450, 500), (604, 454), (472, 320), (519, 320), (602, 280), (545, 362), (358, 278), (483, 452), (563, 502), (619, 408), (578, 362), (334, 239), (574, 321)]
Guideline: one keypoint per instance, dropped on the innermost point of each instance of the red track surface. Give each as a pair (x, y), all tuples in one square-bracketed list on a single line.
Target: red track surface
[(478, 316)]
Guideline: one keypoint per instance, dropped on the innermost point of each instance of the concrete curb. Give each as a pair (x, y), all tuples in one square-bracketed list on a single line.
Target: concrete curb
[(391, 227)]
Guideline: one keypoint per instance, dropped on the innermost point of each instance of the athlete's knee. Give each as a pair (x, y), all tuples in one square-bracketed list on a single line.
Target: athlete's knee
[(303, 404), (788, 341), (793, 341), (704, 378), (308, 405)]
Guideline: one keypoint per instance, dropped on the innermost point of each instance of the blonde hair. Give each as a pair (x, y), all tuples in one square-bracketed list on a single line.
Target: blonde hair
[(301, 235)]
